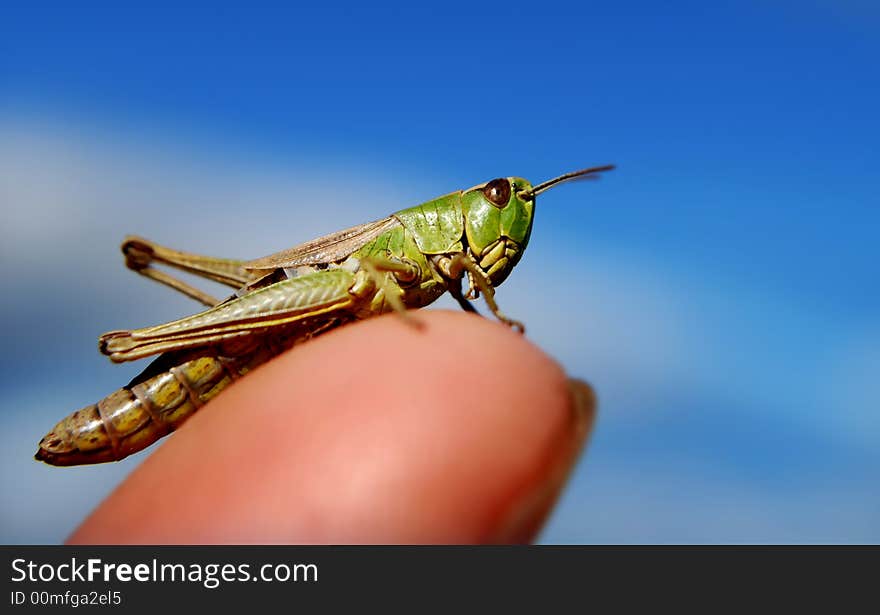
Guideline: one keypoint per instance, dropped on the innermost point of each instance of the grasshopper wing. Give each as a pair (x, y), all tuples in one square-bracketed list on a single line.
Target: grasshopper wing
[(282, 303), (327, 249)]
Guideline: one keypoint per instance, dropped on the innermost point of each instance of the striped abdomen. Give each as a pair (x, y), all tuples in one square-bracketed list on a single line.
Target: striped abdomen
[(134, 417)]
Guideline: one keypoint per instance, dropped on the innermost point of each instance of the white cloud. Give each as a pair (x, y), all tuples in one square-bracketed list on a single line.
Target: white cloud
[(673, 507)]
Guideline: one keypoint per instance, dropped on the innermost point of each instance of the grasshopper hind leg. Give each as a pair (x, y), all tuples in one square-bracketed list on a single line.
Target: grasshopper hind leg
[(141, 255)]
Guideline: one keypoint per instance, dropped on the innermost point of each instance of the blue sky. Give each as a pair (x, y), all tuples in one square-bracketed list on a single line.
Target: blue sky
[(719, 289)]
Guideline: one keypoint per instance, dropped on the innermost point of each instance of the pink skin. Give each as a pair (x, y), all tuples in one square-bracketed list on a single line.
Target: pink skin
[(458, 432)]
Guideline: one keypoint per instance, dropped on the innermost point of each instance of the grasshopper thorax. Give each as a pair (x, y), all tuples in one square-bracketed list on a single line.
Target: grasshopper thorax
[(497, 223)]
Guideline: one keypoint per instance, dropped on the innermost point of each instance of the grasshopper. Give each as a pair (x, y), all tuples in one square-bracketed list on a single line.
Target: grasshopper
[(401, 262)]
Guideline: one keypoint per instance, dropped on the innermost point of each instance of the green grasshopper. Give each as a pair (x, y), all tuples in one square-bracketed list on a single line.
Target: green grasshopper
[(404, 261)]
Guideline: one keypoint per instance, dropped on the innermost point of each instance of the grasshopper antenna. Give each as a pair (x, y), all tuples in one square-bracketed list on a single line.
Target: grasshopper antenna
[(591, 173)]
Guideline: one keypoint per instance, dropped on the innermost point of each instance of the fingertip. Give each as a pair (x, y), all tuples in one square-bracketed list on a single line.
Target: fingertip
[(377, 432)]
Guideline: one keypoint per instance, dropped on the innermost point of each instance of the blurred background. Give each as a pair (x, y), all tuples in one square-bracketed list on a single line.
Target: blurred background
[(719, 289)]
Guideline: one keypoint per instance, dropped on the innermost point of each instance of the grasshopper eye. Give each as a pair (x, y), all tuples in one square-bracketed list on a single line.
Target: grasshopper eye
[(497, 192)]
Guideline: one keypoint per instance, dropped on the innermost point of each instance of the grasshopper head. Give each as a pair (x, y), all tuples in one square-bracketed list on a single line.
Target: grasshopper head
[(498, 219), (497, 223)]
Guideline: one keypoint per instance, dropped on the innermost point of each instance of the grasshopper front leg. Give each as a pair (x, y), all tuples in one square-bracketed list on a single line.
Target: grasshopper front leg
[(454, 268), (462, 299)]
